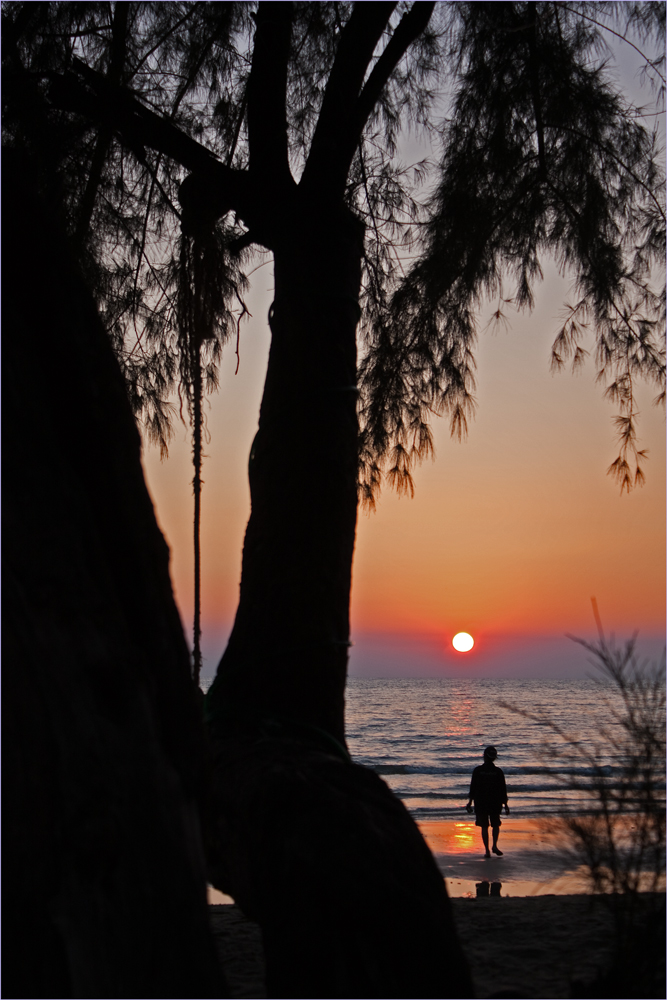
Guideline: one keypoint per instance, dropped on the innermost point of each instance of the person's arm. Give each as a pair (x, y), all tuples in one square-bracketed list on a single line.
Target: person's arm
[(471, 793), (504, 791)]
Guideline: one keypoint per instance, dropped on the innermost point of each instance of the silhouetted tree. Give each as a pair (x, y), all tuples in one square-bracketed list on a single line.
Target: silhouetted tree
[(287, 118), (303, 106), (104, 891), (119, 202)]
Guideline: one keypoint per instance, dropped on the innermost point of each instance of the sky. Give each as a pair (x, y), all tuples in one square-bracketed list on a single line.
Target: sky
[(508, 537)]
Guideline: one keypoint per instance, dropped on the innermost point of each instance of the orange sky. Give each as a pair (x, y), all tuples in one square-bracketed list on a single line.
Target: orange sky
[(508, 537)]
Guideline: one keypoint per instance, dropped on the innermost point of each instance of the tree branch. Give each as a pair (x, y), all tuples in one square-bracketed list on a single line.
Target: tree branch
[(410, 27), (267, 94), (605, 27), (138, 126), (329, 158), (115, 75)]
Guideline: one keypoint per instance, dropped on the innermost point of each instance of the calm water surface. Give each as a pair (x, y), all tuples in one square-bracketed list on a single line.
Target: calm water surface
[(425, 737)]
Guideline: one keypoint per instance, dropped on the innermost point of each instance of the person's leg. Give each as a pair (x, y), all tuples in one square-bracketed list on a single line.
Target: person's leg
[(495, 848), (485, 839)]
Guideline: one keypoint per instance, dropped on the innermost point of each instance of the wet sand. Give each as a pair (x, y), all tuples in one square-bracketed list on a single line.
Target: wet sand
[(532, 864)]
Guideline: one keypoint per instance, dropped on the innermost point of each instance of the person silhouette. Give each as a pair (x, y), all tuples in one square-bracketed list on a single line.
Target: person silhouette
[(489, 793)]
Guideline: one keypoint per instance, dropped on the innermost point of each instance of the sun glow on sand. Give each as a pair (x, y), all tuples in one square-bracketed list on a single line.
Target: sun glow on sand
[(463, 642)]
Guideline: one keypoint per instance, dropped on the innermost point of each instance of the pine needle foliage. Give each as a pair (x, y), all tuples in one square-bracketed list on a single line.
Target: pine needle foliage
[(541, 156), (119, 199), (167, 281)]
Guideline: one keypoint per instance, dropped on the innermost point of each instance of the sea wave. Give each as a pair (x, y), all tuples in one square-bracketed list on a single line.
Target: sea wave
[(526, 811), (607, 770)]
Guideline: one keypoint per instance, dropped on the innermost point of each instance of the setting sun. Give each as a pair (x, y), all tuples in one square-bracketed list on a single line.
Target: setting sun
[(463, 642)]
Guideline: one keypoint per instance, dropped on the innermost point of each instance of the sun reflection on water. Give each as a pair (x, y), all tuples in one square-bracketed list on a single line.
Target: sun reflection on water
[(464, 835), (459, 723), (446, 838)]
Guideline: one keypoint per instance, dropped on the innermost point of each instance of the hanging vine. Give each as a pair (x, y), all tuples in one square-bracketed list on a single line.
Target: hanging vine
[(208, 276)]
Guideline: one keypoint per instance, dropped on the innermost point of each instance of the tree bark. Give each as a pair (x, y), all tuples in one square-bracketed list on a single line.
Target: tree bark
[(287, 656), (104, 894), (332, 866)]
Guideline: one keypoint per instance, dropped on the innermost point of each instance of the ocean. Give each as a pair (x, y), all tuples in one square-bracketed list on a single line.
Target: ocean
[(424, 737)]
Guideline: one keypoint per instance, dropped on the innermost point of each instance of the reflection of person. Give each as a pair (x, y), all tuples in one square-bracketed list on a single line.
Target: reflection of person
[(486, 888), (489, 792)]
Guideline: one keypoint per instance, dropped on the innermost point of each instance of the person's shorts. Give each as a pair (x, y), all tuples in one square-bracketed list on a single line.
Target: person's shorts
[(486, 818)]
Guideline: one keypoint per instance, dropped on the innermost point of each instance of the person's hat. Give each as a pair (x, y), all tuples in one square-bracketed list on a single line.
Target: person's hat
[(491, 753)]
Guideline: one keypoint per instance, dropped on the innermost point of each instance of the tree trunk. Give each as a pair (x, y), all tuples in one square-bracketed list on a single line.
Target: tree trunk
[(315, 848), (105, 893), (329, 862), (286, 661)]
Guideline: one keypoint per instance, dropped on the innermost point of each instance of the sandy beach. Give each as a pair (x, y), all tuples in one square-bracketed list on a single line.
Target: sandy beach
[(525, 922), (533, 947)]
